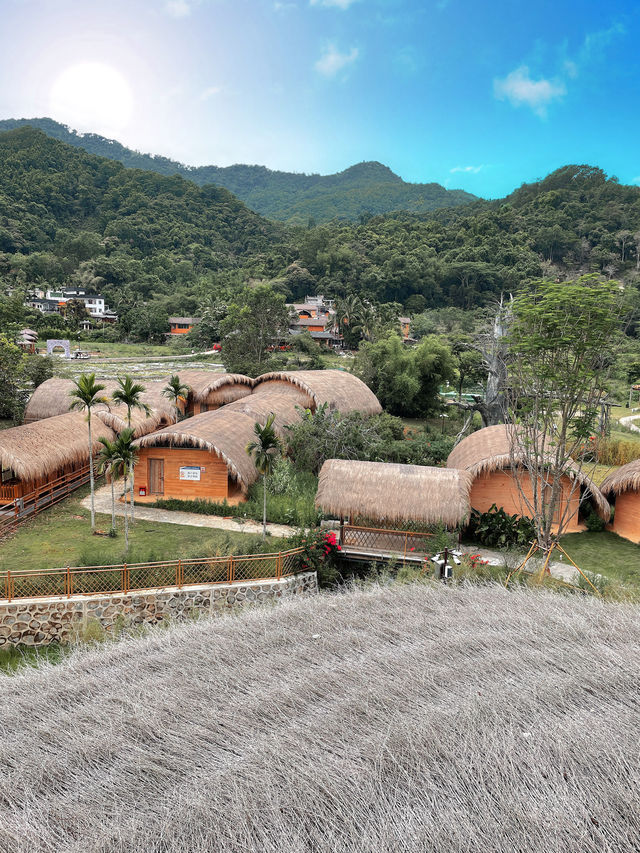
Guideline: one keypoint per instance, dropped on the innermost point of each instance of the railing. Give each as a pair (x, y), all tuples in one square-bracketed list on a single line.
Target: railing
[(405, 542), (8, 493), (133, 577), (42, 497)]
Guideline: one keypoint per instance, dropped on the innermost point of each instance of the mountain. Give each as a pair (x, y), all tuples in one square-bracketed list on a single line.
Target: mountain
[(360, 191), (69, 217)]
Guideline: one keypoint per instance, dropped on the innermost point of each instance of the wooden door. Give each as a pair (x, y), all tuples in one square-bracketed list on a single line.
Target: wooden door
[(156, 476)]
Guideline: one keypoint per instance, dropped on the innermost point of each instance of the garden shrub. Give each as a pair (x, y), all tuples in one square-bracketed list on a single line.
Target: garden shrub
[(496, 528)]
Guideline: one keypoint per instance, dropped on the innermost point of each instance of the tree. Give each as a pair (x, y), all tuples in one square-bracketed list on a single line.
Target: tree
[(558, 365), (406, 380), (12, 392), (176, 391), (264, 450), (85, 396), (254, 326), (129, 394), (108, 462), (125, 459)]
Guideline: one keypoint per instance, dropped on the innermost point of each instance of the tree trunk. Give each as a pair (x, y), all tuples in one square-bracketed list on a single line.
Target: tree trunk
[(126, 518), (132, 483), (113, 503), (264, 508), (91, 483)]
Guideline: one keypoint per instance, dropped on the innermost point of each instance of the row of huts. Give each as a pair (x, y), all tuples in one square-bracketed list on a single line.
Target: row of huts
[(204, 455)]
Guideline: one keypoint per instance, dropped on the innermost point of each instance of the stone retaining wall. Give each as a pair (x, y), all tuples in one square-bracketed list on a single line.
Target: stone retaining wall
[(38, 621)]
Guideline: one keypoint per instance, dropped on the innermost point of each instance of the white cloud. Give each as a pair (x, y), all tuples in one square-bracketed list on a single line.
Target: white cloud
[(209, 93), (337, 4), (635, 180), (178, 8), (469, 170), (333, 61), (520, 89)]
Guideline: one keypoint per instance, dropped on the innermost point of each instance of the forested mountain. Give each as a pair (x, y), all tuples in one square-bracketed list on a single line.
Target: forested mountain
[(362, 190), (156, 245), (70, 217)]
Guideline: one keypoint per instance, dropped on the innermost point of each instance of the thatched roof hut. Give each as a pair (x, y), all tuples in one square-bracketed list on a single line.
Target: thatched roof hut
[(390, 493), (258, 407), (216, 389), (53, 398), (221, 432), (35, 452), (493, 448), (340, 390), (624, 479)]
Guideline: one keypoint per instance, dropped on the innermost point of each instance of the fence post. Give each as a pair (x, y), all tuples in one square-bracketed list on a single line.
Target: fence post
[(8, 590), (443, 567), (179, 574), (279, 565), (230, 569), (404, 556), (68, 582), (124, 583)]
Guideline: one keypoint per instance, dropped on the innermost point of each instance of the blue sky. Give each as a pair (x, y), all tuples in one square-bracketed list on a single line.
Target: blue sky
[(478, 95)]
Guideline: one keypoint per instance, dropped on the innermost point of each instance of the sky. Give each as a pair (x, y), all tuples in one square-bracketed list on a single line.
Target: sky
[(481, 95)]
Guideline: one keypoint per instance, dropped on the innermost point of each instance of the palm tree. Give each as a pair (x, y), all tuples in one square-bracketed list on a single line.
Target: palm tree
[(176, 390), (85, 396), (264, 451), (128, 393), (125, 458), (108, 462)]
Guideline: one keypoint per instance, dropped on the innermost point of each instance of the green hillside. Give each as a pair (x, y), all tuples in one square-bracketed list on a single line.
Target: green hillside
[(362, 190)]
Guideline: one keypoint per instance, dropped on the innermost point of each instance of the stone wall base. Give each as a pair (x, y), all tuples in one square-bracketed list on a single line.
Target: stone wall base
[(39, 621)]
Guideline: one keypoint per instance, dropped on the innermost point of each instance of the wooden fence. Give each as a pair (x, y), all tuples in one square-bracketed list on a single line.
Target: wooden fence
[(405, 542), (19, 508), (125, 578)]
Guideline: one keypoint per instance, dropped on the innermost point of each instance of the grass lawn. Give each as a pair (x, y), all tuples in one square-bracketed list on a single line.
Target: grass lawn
[(61, 536), (606, 554)]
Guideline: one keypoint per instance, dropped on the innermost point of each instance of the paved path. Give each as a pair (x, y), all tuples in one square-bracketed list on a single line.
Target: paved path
[(560, 570), (628, 422), (191, 519)]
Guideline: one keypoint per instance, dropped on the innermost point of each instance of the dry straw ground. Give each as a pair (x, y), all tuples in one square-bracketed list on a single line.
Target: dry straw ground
[(393, 719)]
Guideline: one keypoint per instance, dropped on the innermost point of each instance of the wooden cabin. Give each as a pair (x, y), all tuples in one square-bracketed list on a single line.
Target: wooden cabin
[(209, 390), (52, 398), (624, 486), (339, 389), (182, 325), (489, 457), (381, 498), (203, 457), (51, 451)]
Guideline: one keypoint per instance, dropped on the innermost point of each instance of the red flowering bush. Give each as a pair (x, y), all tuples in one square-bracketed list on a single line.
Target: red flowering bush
[(320, 554)]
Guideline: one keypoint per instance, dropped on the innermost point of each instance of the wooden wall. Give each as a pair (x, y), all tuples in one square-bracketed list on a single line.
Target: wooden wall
[(214, 480), (626, 520), (500, 488)]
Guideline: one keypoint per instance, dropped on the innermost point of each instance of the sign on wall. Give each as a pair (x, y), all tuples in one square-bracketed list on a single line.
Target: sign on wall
[(190, 472)]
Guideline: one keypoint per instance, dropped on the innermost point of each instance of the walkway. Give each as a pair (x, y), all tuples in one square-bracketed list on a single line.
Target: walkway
[(628, 422), (190, 519), (562, 571)]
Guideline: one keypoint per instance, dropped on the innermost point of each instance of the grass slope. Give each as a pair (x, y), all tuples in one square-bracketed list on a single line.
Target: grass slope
[(396, 719)]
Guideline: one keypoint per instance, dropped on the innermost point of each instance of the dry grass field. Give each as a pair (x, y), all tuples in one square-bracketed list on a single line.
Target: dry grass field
[(402, 718)]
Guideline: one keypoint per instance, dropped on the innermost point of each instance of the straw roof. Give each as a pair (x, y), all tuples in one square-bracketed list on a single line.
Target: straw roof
[(36, 451), (388, 492), (340, 390), (52, 398), (490, 449), (258, 407), (207, 386), (625, 479), (221, 432)]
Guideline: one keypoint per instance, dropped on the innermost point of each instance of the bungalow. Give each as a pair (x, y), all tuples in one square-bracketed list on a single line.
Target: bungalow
[(209, 390), (339, 389), (624, 486), (182, 325), (489, 455)]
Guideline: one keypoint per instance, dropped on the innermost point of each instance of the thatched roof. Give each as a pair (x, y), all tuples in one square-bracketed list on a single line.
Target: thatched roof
[(625, 479), (258, 407), (387, 492), (53, 398), (340, 390), (207, 386), (490, 449), (36, 451), (221, 432)]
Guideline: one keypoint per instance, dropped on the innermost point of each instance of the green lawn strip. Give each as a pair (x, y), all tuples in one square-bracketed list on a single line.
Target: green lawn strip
[(606, 554), (62, 536)]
